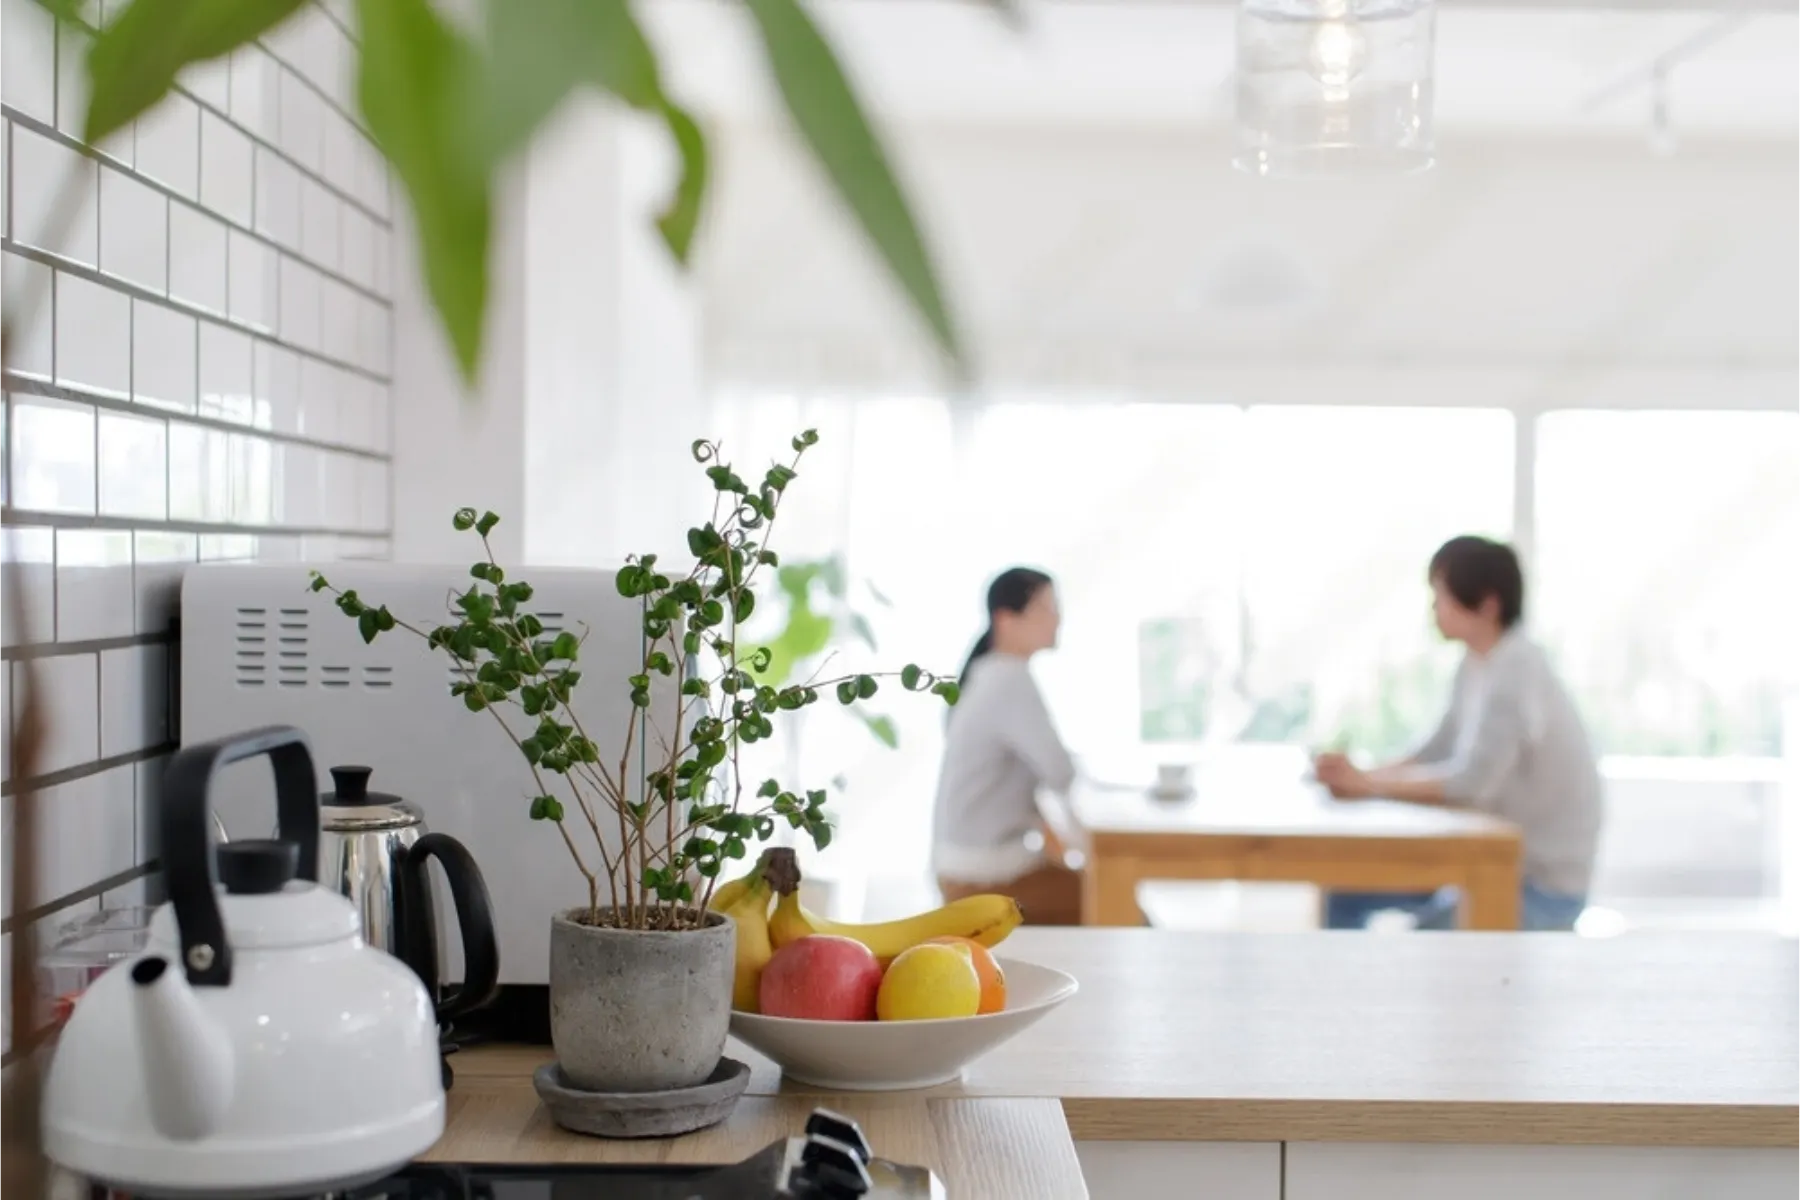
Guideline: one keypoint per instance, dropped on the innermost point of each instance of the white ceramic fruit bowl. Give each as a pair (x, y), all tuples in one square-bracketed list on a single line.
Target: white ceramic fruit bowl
[(891, 1056)]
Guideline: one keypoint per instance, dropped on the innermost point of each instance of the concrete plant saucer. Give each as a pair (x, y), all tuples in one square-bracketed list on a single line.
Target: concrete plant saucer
[(642, 1114)]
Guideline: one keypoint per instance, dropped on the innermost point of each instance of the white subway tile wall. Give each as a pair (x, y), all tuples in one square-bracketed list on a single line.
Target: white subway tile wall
[(202, 375)]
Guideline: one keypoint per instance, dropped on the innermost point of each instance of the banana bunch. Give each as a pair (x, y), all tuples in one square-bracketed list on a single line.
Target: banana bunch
[(746, 902), (987, 919)]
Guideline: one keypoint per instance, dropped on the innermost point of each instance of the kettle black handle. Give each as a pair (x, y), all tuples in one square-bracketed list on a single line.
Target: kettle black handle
[(474, 923), (189, 872)]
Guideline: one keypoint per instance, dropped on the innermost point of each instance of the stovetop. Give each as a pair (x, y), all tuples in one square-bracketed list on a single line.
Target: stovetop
[(830, 1160)]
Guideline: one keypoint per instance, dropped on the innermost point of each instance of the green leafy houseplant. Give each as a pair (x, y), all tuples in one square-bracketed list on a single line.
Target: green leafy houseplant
[(450, 103), (694, 814), (425, 85)]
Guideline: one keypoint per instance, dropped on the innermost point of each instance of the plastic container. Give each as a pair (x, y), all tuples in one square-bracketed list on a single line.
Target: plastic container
[(87, 948)]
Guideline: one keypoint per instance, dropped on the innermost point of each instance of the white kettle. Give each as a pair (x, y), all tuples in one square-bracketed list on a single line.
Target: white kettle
[(257, 1047)]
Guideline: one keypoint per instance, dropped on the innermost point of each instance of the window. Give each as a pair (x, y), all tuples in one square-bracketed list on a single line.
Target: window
[(1225, 573), (1133, 509), (1342, 510), (1667, 571), (1297, 609)]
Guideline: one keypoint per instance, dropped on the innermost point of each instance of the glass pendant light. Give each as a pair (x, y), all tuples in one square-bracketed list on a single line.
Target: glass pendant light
[(1334, 87)]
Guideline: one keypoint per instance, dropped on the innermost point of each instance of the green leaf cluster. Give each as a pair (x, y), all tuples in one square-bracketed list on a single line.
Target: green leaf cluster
[(450, 104), (703, 692)]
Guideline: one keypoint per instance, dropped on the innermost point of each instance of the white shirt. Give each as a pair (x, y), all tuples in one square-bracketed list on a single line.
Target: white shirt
[(999, 749)]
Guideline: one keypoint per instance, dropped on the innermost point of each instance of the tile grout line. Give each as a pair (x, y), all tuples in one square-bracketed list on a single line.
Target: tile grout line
[(61, 265), (344, 144), (26, 385), (54, 520), (50, 908), (106, 162), (184, 91), (43, 650), (99, 723), (100, 475)]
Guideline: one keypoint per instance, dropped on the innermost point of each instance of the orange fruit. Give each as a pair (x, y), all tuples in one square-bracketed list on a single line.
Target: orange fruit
[(993, 979)]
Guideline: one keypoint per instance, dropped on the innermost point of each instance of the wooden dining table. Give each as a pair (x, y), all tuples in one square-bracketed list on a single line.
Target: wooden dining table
[(1259, 817)]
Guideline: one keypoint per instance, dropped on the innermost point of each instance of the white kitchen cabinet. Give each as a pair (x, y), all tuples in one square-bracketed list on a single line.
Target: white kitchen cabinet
[(1214, 1170), (1320, 1171)]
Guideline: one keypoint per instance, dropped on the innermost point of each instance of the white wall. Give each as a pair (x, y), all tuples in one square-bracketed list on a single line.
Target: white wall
[(457, 446), (207, 378), (571, 393), (591, 392)]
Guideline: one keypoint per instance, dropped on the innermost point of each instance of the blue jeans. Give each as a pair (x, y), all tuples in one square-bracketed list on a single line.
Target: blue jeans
[(1538, 910)]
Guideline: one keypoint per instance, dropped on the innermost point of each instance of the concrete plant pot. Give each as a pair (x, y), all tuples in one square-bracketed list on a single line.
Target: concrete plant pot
[(634, 1011)]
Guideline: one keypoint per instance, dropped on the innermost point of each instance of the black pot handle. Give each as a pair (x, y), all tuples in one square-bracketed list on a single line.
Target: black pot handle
[(189, 872), (474, 923)]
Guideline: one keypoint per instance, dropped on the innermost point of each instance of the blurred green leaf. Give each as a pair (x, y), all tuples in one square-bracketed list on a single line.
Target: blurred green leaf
[(541, 50), (418, 89), (883, 729), (865, 633), (806, 634), (1012, 12), (795, 579), (135, 58), (832, 121), (678, 221), (66, 10)]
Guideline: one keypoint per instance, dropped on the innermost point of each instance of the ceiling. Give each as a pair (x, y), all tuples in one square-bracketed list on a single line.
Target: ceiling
[(1551, 64), (1138, 259), (1075, 184)]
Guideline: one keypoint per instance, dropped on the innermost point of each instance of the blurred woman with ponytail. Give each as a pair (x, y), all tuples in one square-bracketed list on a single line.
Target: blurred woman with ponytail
[(999, 750)]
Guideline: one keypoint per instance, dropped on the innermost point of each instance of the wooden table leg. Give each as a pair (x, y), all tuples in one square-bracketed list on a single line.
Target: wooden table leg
[(1491, 897), (1109, 892)]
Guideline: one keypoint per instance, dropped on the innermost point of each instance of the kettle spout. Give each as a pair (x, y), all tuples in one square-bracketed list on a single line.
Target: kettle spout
[(187, 1058)]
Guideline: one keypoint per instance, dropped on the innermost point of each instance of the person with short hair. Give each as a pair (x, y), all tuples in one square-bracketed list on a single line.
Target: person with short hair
[(1000, 747), (1511, 743)]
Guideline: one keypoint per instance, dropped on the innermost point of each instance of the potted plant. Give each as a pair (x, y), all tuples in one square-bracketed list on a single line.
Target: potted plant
[(641, 972)]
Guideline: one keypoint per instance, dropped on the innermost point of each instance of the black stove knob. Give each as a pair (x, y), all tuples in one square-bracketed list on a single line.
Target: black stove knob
[(840, 1129), (828, 1170)]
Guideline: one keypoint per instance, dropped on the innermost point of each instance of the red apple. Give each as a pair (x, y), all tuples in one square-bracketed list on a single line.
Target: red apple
[(821, 978)]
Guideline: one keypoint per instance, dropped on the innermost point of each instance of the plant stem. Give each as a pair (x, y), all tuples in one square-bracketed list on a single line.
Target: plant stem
[(674, 797), (593, 884), (735, 588), (612, 792), (25, 1168), (597, 777), (537, 776)]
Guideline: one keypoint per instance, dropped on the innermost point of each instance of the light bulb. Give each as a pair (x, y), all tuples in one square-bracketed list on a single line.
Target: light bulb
[(1336, 57)]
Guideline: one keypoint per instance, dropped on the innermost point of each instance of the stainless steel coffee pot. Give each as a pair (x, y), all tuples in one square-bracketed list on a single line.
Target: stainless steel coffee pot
[(374, 848)]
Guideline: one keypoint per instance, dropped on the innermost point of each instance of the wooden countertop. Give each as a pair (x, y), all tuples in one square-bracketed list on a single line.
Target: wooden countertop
[(985, 1148), (1464, 1037), (1646, 1039)]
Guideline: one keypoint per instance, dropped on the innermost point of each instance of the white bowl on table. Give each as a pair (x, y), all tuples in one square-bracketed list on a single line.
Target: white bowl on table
[(891, 1056)]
